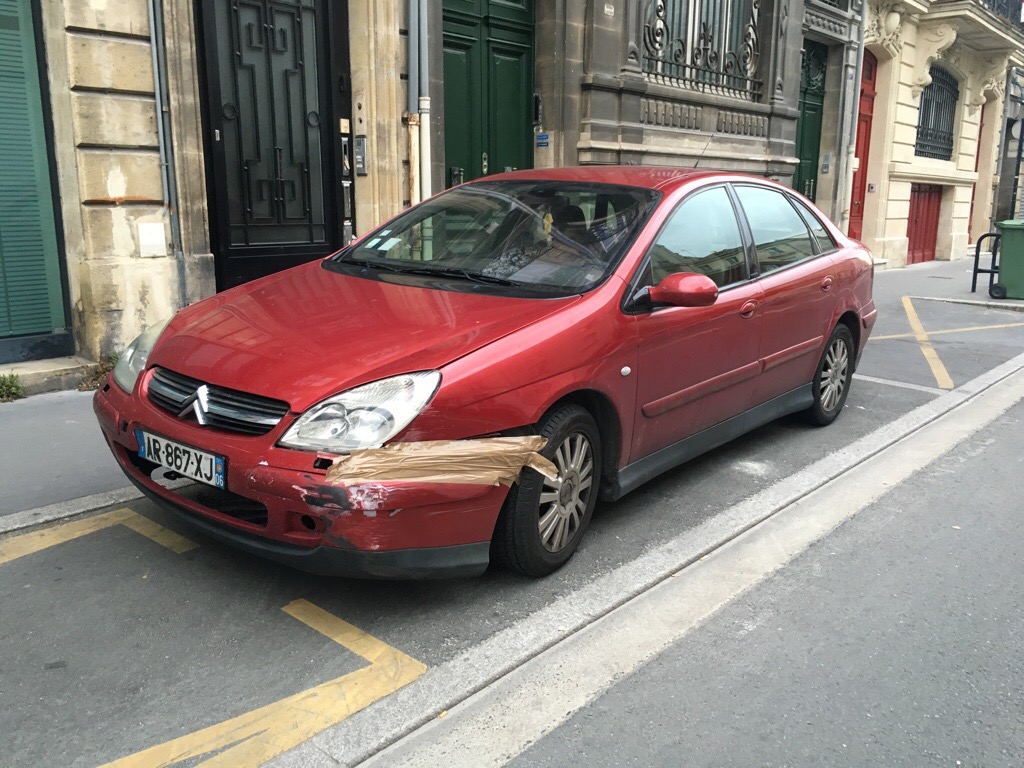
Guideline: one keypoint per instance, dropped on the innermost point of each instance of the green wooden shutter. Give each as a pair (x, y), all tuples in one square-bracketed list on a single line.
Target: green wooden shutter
[(30, 293)]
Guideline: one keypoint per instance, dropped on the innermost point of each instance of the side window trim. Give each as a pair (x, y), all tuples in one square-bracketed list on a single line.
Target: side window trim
[(753, 264), (749, 231), (633, 285), (804, 212)]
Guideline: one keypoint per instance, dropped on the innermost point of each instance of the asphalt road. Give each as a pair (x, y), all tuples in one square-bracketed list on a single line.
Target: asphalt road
[(894, 641), (123, 635)]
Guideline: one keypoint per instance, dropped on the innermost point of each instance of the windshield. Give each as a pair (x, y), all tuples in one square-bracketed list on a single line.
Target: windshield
[(555, 238)]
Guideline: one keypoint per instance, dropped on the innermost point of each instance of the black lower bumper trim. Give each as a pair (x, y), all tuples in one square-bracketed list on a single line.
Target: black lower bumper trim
[(430, 562)]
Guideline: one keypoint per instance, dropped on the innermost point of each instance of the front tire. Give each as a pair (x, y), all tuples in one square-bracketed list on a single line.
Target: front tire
[(832, 378), (543, 521)]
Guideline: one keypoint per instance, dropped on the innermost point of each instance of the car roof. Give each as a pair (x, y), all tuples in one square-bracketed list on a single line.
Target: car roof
[(663, 178)]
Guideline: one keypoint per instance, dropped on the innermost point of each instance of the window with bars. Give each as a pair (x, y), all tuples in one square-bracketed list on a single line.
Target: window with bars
[(705, 45), (937, 115)]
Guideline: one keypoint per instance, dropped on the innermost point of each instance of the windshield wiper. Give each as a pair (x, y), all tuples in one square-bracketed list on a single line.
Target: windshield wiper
[(465, 274), (372, 264), (476, 277)]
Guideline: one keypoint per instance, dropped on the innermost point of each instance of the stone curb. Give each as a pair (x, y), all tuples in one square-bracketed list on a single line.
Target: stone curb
[(64, 510), (972, 303)]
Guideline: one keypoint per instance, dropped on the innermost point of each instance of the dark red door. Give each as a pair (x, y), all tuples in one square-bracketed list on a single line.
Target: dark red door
[(923, 222), (860, 177)]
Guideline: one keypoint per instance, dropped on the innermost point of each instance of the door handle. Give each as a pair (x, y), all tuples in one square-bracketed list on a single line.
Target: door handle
[(484, 164), (747, 310), (826, 284)]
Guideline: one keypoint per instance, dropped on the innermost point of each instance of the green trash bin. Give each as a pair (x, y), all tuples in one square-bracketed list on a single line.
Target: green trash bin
[(1010, 280)]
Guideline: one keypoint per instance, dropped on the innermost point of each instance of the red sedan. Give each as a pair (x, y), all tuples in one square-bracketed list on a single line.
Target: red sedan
[(341, 416)]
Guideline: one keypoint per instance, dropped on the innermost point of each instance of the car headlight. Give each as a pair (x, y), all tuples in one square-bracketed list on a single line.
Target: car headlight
[(364, 417), (132, 361)]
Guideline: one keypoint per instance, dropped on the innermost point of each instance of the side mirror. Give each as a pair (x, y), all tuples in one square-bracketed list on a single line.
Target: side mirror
[(685, 289)]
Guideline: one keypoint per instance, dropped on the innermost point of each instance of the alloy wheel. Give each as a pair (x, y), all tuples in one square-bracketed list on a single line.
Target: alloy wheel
[(834, 374), (563, 501)]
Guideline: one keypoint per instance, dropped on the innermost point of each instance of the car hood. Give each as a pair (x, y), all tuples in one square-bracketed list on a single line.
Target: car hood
[(308, 333)]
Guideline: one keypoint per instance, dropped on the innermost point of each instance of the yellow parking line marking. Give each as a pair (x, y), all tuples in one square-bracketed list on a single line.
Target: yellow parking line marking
[(35, 541), (164, 536), (255, 737), (930, 355), (262, 734), (950, 330)]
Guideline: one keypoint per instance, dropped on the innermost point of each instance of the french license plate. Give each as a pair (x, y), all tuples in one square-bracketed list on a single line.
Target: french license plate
[(183, 459)]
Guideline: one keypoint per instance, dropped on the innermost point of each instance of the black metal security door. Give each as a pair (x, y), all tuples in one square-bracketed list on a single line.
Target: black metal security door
[(278, 112)]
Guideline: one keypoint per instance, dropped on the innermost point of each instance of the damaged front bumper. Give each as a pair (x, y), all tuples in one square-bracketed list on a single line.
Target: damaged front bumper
[(276, 504)]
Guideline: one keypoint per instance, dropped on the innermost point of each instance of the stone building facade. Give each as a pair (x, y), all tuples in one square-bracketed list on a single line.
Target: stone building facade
[(159, 149), (170, 149), (931, 168), (763, 86)]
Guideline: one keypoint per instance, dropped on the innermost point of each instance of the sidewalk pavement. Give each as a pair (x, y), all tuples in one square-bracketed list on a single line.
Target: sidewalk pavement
[(51, 450), (946, 280)]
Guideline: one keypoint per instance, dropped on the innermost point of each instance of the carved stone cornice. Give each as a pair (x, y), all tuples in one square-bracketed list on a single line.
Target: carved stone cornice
[(932, 41), (823, 22), (988, 75), (884, 26)]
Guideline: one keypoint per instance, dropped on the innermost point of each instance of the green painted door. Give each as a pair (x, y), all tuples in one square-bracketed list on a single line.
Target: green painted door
[(30, 290), (808, 128), (488, 87)]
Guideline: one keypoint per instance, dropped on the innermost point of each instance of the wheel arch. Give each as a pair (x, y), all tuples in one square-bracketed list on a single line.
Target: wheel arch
[(852, 321), (609, 426)]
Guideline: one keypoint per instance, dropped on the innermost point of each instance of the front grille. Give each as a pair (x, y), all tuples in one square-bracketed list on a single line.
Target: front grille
[(220, 408)]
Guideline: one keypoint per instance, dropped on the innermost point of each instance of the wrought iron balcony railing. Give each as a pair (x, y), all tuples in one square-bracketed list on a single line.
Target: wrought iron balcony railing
[(1008, 9)]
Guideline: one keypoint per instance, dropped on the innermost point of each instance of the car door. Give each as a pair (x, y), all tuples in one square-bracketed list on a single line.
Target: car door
[(696, 366), (798, 282)]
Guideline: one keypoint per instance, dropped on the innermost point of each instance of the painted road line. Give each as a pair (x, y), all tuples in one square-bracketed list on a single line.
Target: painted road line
[(901, 384), (949, 330), (62, 510), (938, 369), (446, 685), (35, 541), (255, 737), (504, 719)]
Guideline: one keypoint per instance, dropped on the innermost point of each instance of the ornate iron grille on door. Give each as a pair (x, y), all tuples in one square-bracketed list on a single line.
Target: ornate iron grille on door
[(937, 115), (705, 45), (270, 108)]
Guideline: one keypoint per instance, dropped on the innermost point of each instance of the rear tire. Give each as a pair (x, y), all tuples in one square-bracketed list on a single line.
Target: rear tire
[(543, 521), (831, 383), (997, 291)]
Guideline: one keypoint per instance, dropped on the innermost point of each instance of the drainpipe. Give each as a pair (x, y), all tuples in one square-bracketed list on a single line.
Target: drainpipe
[(426, 188), (845, 196), (168, 178), (412, 119)]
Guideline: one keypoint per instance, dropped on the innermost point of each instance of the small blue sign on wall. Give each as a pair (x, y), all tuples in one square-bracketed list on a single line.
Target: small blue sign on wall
[(542, 140)]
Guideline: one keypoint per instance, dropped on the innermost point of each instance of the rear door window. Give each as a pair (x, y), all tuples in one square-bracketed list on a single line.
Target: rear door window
[(780, 234)]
